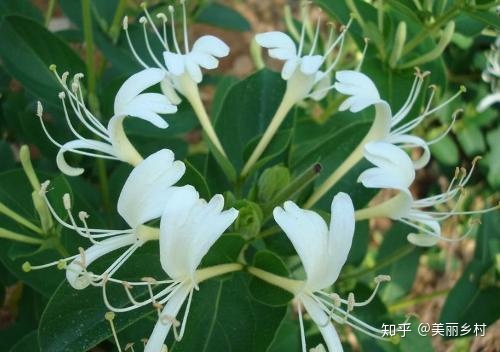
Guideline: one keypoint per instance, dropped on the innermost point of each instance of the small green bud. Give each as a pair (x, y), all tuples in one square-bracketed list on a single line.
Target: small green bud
[(271, 182), (249, 220)]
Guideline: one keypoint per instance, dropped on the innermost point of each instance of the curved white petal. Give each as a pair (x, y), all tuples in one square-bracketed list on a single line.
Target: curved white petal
[(162, 326), (211, 45), (394, 168), (136, 84), (174, 63), (488, 101), (147, 106), (308, 233), (310, 64), (204, 60), (410, 141), (194, 70), (192, 224), (360, 87), (75, 271), (277, 40), (322, 320), (321, 86), (79, 144), (289, 68), (340, 236), (146, 190), (422, 240), (168, 89)]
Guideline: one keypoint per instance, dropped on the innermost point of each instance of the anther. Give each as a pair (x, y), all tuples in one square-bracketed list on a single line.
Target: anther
[(43, 187), (149, 280), (109, 316), (125, 23), (162, 16), (62, 264), (82, 215), (67, 201), (53, 67), (463, 89), (336, 299), (350, 302), (64, 77), (382, 278), (143, 20), (26, 267), (171, 9), (39, 109), (61, 95), (129, 346), (165, 319)]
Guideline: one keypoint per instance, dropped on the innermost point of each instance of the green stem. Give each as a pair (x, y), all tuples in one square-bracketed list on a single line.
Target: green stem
[(19, 219), (50, 12), (9, 235), (269, 232), (217, 270), (426, 32), (397, 255), (89, 61), (115, 28), (416, 300), (292, 286)]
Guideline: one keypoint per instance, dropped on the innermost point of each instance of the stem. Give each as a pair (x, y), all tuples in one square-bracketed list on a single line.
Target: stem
[(115, 28), (217, 270), (348, 163), (413, 301), (415, 41), (19, 219), (89, 61), (50, 12), (277, 120), (397, 255), (292, 286), (269, 232), (7, 234)]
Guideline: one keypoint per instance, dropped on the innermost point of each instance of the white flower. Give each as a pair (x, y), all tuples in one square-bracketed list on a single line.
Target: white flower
[(323, 251), (189, 227), (143, 198), (387, 127), (301, 70), (491, 74), (111, 142), (182, 68), (424, 215)]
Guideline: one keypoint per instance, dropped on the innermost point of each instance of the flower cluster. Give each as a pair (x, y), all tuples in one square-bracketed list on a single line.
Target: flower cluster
[(156, 208)]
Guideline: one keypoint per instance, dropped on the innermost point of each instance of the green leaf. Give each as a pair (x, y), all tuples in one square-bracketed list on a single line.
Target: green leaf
[(193, 177), (487, 17), (222, 16), (20, 7), (27, 343), (471, 139), (446, 151), (6, 156), (264, 292), (246, 112), (27, 51)]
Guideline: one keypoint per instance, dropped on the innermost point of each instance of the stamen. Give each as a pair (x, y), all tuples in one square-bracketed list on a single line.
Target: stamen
[(164, 19), (301, 324), (143, 21), (129, 346), (186, 313), (172, 20), (110, 316), (316, 36), (146, 12), (363, 54), (184, 20), (448, 129), (39, 109), (302, 37), (132, 49)]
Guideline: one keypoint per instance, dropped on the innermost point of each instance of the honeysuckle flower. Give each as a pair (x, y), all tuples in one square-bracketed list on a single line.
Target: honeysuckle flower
[(143, 198), (111, 142), (387, 127), (301, 70), (491, 74), (189, 227), (182, 68), (323, 252), (424, 215)]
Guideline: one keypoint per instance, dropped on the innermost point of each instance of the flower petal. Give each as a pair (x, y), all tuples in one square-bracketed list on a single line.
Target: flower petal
[(162, 327), (289, 68), (394, 167), (340, 237), (146, 106), (211, 45), (310, 64), (167, 88), (322, 320), (277, 40), (190, 223), (136, 84), (308, 233), (174, 62), (406, 140), (146, 190), (360, 87), (204, 60), (194, 70), (321, 86), (79, 144), (75, 271)]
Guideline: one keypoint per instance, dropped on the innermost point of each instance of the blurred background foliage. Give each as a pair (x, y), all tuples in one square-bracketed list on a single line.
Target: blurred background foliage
[(453, 282)]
